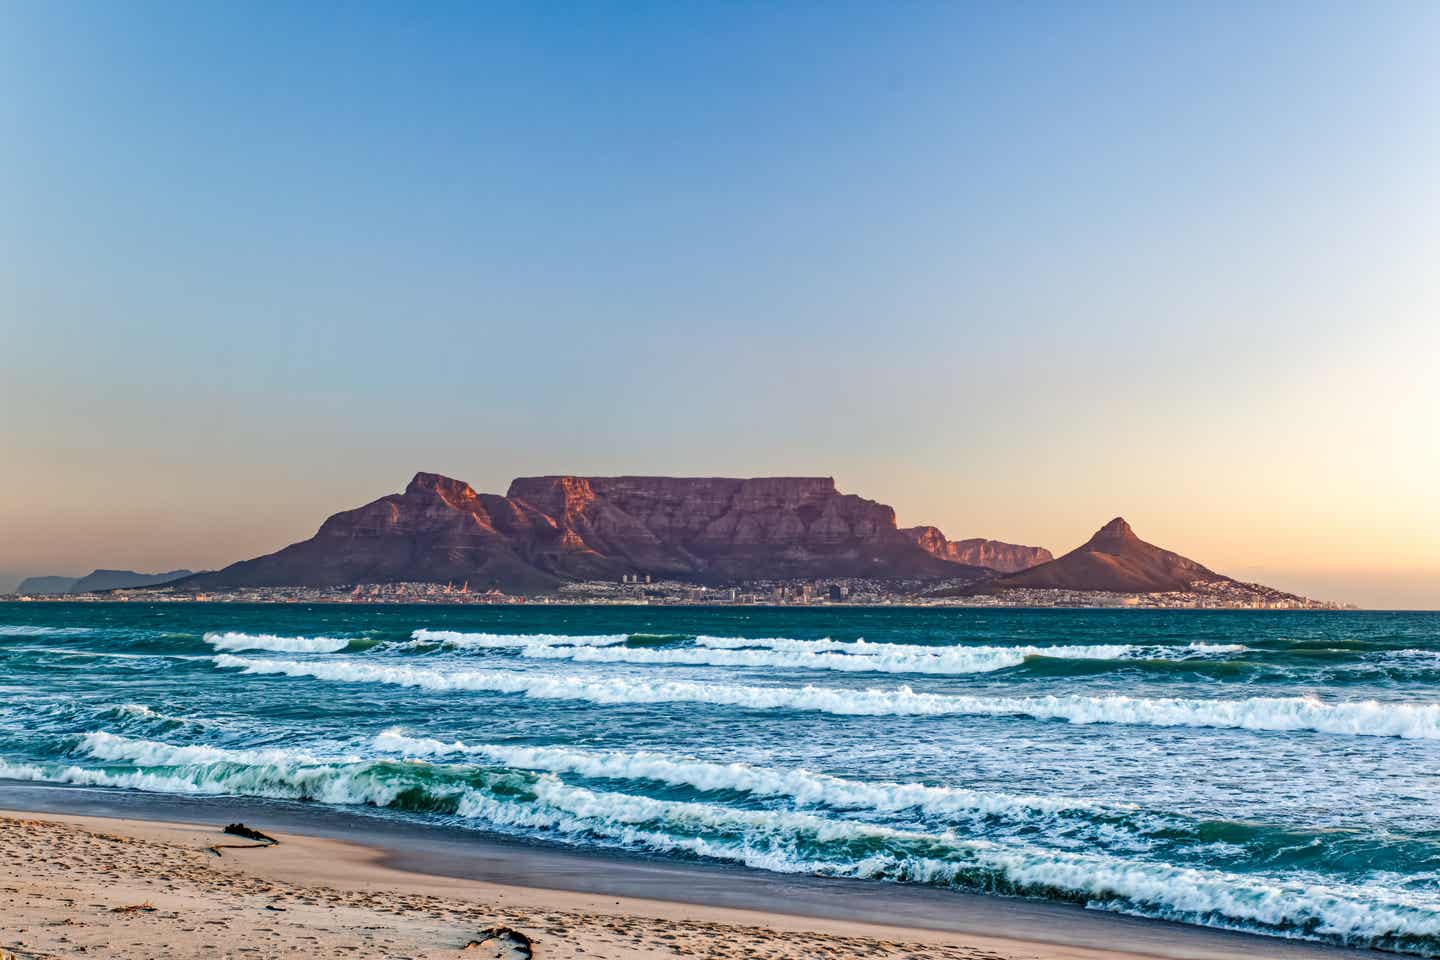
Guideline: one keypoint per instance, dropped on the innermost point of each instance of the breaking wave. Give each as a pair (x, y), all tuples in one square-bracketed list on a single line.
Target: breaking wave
[(781, 840), (846, 657), (866, 647), (802, 786), (269, 641), (1347, 717), (500, 641), (857, 656)]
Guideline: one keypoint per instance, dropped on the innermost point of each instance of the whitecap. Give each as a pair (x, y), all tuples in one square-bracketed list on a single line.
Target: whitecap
[(1351, 717), (269, 641)]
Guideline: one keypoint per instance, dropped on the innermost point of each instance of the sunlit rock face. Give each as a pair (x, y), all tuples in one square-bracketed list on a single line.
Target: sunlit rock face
[(995, 554), (547, 530)]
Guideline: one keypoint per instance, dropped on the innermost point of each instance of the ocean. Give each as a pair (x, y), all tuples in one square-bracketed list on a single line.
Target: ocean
[(1274, 772)]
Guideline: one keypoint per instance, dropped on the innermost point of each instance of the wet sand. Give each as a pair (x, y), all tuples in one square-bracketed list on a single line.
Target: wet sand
[(90, 872)]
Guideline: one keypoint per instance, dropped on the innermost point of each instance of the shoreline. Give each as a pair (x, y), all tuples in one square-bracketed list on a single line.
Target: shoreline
[(335, 850), (530, 603)]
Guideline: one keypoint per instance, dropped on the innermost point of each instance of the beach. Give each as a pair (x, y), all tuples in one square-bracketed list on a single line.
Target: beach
[(74, 884)]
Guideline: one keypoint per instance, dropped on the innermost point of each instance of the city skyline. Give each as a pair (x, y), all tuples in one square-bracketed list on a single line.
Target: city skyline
[(1013, 271)]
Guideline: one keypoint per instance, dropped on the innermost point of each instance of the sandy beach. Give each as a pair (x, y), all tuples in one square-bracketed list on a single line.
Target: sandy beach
[(73, 885), (89, 886)]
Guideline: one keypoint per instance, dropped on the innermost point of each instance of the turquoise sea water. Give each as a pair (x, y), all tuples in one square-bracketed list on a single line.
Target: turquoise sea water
[(1277, 772)]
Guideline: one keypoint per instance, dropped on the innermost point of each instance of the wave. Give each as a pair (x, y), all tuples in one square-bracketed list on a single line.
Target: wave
[(794, 842), (142, 716), (871, 658), (499, 641), (26, 630), (801, 786), (863, 646), (269, 641), (103, 745), (857, 656), (107, 654), (787, 841), (1349, 717)]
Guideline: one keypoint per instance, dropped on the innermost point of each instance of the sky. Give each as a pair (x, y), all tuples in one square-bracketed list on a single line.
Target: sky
[(1014, 268)]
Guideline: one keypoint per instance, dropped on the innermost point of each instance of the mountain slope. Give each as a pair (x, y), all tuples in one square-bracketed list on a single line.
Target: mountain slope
[(38, 586), (1114, 559), (119, 579), (995, 554), (97, 580), (548, 530)]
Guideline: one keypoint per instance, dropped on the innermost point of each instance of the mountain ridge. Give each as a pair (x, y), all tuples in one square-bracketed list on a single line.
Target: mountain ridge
[(995, 554), (552, 529), (100, 579)]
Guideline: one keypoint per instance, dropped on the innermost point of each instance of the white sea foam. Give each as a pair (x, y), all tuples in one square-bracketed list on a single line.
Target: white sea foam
[(269, 641), (1352, 717), (784, 840), (140, 712), (103, 745), (855, 658), (500, 641), (26, 630), (866, 647), (773, 840), (802, 786)]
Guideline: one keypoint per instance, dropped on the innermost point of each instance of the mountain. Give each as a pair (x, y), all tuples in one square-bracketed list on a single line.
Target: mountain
[(1114, 559), (995, 554), (120, 579), (41, 586), (548, 530), (97, 580)]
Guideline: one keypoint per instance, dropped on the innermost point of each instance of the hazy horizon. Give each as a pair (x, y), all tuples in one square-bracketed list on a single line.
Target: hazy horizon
[(1011, 270)]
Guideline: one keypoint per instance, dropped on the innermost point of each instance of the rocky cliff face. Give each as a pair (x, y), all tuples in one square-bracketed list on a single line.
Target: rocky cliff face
[(720, 528), (995, 554), (550, 529)]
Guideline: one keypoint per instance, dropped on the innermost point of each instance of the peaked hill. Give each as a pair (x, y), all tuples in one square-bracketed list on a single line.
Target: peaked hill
[(1116, 560)]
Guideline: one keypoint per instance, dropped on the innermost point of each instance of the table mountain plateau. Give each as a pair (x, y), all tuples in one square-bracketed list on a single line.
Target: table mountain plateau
[(548, 530)]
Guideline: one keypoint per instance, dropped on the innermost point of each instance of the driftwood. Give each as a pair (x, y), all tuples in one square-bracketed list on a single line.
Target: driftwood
[(240, 830), (507, 935)]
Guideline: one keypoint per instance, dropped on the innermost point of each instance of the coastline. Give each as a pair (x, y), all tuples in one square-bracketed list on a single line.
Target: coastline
[(548, 602), (453, 882)]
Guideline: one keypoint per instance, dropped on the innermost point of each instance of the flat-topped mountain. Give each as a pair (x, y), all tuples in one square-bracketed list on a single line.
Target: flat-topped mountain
[(97, 580), (548, 530), (995, 554), (1116, 560)]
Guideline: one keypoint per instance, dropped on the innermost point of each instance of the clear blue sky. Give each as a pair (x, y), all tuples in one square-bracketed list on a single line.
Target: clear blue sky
[(1013, 268)]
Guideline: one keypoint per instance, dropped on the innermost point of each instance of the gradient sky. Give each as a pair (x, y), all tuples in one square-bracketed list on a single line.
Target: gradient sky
[(1014, 268)]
